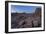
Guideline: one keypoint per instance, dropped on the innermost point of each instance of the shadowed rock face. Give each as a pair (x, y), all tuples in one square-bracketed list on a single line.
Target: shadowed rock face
[(24, 20)]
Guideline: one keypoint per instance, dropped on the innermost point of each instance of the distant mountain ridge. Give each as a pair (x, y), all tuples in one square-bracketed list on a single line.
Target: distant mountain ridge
[(37, 13)]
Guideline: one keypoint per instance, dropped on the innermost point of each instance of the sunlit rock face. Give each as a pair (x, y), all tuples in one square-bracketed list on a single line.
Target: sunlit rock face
[(24, 20)]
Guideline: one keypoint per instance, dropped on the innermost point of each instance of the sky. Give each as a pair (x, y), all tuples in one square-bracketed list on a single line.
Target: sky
[(21, 9)]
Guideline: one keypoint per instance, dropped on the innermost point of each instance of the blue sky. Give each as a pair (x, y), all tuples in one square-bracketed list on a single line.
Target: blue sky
[(21, 9)]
